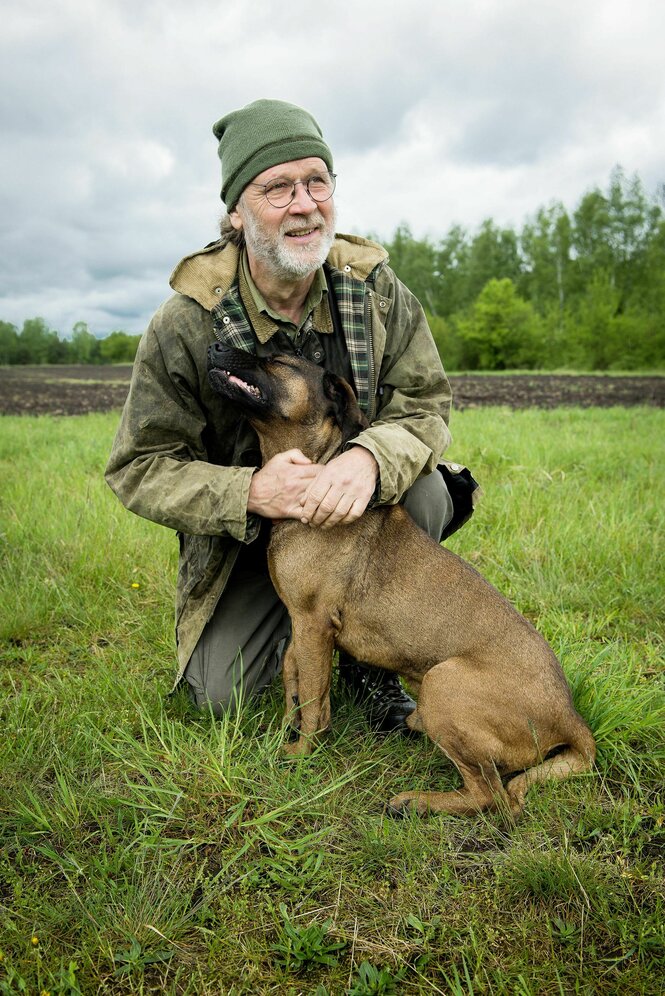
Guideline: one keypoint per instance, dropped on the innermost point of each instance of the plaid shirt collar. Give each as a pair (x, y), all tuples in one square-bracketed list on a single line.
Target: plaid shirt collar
[(232, 325)]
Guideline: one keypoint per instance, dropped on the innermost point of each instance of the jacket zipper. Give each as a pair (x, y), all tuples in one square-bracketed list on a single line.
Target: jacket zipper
[(371, 388)]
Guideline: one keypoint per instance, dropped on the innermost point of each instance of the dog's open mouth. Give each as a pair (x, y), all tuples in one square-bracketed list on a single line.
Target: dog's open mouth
[(223, 380)]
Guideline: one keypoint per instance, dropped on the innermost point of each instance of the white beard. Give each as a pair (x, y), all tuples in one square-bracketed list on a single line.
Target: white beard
[(284, 260)]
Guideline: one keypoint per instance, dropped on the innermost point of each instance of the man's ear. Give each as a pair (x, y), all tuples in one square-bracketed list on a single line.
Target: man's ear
[(347, 414), (235, 219)]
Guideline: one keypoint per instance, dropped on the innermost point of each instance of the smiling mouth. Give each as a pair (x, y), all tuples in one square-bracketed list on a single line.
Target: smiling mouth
[(300, 232)]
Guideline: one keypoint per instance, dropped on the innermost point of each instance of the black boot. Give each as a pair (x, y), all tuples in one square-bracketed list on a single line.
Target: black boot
[(384, 701)]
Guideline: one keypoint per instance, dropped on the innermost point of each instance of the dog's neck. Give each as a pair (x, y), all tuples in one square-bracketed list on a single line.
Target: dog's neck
[(317, 454)]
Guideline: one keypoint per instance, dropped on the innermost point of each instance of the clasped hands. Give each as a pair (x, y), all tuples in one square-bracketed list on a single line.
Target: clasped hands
[(291, 486)]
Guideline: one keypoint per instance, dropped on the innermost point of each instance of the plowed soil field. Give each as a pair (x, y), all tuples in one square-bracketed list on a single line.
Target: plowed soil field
[(77, 390)]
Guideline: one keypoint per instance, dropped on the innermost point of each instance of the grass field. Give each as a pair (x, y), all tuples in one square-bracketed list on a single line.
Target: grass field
[(149, 849)]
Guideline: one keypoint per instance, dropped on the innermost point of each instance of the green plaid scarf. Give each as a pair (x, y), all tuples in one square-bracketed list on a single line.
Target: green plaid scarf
[(230, 323), (350, 297), (231, 326)]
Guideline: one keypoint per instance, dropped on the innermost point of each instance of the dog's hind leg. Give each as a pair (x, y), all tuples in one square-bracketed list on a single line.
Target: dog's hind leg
[(488, 732), (481, 790), (442, 713), (457, 709), (573, 760)]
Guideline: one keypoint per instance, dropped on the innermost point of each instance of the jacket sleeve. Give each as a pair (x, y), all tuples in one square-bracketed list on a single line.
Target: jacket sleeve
[(410, 430), (159, 466)]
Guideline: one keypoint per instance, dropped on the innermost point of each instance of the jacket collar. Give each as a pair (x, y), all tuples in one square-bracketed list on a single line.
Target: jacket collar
[(208, 274)]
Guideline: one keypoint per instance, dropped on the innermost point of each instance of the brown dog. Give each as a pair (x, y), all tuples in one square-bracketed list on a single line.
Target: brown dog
[(490, 691)]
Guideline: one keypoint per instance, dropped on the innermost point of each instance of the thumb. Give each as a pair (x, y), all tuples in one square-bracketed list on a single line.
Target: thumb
[(296, 456)]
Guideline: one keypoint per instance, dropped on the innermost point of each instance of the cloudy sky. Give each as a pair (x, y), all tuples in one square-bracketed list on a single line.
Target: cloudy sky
[(437, 113)]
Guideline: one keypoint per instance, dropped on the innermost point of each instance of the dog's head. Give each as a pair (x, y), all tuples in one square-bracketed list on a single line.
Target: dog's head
[(290, 402)]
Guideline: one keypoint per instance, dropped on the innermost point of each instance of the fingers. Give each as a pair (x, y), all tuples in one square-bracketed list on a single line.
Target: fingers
[(290, 486), (317, 497), (341, 491), (346, 512), (278, 488), (331, 507), (327, 510)]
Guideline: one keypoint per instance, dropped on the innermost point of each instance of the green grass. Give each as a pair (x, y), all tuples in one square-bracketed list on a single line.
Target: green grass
[(145, 848), (559, 372)]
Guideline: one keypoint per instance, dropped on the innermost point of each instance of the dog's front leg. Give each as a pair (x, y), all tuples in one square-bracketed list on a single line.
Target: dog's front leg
[(307, 671), (291, 720)]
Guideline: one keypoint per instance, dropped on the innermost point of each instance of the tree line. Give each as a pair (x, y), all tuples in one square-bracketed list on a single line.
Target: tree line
[(36, 343), (582, 290)]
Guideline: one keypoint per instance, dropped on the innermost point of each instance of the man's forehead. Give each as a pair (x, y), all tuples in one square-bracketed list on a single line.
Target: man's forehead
[(296, 169)]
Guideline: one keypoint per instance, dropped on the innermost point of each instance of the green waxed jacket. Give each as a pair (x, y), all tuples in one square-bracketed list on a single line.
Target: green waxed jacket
[(181, 456)]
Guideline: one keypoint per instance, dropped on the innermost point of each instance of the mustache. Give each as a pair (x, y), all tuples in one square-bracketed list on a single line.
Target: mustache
[(315, 220)]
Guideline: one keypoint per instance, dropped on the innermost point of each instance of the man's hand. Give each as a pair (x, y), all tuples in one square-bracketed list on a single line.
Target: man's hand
[(279, 487), (342, 489)]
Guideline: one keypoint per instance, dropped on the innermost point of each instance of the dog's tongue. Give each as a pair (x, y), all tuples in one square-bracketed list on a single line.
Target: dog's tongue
[(236, 380), (243, 384)]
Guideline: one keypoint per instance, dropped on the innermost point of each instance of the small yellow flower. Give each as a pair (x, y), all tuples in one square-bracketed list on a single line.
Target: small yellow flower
[(45, 992), (135, 584), (34, 940)]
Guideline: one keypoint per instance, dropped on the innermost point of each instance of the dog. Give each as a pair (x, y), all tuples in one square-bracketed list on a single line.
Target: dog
[(490, 691)]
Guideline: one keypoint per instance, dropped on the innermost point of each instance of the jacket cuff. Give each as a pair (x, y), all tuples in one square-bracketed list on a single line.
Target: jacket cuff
[(401, 458), (244, 526)]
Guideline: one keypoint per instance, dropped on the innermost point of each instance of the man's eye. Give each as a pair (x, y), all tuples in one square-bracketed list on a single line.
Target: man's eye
[(277, 185)]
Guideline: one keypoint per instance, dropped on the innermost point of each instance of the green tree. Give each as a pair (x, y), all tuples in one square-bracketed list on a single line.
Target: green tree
[(649, 296), (8, 343), (414, 261), (37, 343), (84, 345), (118, 347), (595, 321), (448, 342), (612, 234), (546, 244), (502, 330), (493, 255), (452, 265)]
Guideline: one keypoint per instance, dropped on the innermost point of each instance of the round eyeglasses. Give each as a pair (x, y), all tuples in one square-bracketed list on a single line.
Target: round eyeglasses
[(280, 191)]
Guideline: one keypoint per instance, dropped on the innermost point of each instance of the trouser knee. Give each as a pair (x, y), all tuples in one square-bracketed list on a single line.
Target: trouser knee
[(429, 504), (240, 649)]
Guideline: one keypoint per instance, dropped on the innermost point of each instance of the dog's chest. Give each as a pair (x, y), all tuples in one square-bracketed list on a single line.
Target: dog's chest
[(305, 566)]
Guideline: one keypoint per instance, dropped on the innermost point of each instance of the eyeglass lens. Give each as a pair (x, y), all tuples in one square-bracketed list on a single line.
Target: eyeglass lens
[(281, 191)]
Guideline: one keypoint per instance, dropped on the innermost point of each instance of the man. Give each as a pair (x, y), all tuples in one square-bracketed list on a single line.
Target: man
[(279, 280)]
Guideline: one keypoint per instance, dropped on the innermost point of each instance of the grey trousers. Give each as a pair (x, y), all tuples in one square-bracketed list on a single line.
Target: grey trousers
[(241, 648)]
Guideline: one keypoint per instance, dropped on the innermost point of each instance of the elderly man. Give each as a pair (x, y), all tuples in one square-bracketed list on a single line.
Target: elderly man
[(279, 280)]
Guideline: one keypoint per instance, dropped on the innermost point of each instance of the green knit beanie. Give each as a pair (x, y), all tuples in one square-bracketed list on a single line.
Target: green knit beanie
[(261, 135)]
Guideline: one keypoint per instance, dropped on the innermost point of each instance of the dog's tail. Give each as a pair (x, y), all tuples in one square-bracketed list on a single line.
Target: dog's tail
[(575, 757)]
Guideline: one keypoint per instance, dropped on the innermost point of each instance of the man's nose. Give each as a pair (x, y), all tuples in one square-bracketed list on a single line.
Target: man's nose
[(302, 202)]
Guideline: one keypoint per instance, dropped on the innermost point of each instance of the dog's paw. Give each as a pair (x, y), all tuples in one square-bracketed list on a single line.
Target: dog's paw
[(407, 802), (396, 810), (297, 748)]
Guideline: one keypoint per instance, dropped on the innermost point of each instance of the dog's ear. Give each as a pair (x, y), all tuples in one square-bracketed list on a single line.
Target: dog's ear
[(348, 415)]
